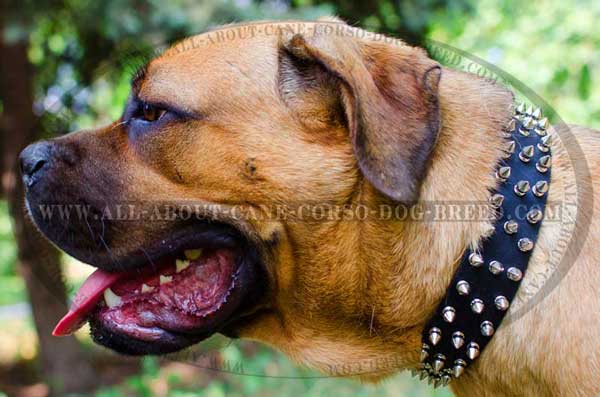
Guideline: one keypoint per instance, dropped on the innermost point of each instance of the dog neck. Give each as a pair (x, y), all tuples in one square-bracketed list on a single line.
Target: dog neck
[(427, 254)]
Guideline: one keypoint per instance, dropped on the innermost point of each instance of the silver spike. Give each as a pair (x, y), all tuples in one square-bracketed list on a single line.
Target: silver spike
[(514, 274), (521, 108), (543, 123), (473, 350), (437, 382), (537, 113), (527, 153), (529, 110), (534, 216), (424, 374), (511, 227), (414, 372), (463, 287), (438, 363), (540, 188), (521, 188), (496, 267), (523, 131), (501, 303), (547, 140), (541, 132), (490, 230), (458, 339), (424, 352), (545, 143), (475, 259), (544, 163), (528, 123), (487, 328), (496, 200), (509, 149), (477, 306), (446, 380), (525, 244), (459, 367), (503, 173), (511, 125), (435, 334), (448, 313)]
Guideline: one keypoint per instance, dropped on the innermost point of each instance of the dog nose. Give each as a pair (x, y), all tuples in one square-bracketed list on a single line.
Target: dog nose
[(34, 159)]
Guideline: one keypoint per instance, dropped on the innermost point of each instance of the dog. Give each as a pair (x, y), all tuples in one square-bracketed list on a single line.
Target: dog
[(246, 119)]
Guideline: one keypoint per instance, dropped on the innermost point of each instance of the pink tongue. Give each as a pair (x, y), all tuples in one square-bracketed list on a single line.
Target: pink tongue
[(85, 300)]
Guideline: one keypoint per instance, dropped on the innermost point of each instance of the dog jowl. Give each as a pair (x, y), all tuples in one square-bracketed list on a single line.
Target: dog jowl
[(283, 119)]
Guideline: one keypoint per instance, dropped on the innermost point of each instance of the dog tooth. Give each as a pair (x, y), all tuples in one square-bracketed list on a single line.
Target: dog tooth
[(112, 299), (165, 279), (181, 265), (146, 288), (192, 254)]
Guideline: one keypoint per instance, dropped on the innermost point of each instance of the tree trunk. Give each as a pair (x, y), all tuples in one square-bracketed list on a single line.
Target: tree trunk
[(64, 364)]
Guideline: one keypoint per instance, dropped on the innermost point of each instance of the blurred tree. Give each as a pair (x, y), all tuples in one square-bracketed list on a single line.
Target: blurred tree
[(409, 20), (64, 364), (550, 46)]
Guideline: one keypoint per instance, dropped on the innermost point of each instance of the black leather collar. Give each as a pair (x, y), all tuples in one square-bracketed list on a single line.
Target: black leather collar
[(486, 281)]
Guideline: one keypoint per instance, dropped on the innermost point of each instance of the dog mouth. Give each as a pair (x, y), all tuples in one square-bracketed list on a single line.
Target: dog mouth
[(167, 303)]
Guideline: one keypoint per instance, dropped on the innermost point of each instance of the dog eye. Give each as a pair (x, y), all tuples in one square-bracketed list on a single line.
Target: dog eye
[(151, 113)]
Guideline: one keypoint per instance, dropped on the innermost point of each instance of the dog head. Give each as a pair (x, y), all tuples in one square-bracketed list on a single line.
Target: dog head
[(219, 134)]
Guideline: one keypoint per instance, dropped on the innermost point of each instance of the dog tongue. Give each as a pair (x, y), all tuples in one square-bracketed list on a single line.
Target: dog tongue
[(85, 300)]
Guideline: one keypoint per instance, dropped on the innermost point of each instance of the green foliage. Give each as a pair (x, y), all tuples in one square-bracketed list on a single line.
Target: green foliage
[(85, 51), (265, 373), (409, 19), (12, 287), (8, 252), (550, 46)]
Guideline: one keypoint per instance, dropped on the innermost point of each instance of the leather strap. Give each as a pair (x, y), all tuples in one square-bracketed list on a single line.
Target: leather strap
[(486, 281)]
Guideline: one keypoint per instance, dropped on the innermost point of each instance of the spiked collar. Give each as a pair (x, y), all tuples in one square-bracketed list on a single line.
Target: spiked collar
[(487, 280)]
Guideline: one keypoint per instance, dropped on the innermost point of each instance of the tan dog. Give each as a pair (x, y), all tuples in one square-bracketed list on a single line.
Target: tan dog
[(263, 117)]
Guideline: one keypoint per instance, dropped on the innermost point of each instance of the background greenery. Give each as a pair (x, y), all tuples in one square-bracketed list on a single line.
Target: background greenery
[(84, 52)]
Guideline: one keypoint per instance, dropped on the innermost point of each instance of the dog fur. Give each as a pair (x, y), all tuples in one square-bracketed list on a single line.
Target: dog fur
[(289, 118)]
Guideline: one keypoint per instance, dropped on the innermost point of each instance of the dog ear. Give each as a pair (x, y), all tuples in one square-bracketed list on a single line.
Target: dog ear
[(389, 95)]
